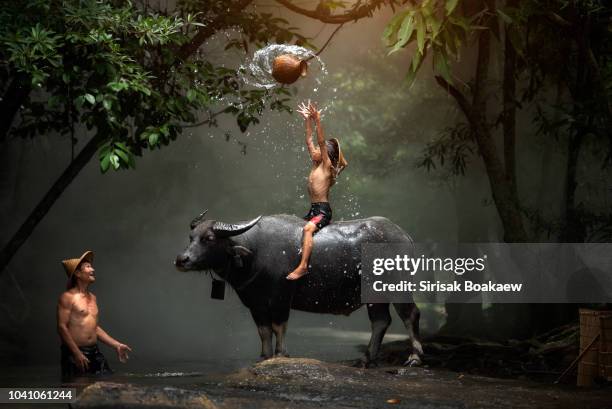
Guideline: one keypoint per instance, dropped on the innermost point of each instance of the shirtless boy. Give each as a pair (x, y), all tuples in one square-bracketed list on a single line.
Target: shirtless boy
[(77, 323), (327, 163)]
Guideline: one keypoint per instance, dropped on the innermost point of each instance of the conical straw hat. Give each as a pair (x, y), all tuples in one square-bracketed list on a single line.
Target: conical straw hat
[(71, 264)]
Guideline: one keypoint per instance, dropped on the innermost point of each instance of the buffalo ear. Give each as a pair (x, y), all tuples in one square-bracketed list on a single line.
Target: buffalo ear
[(241, 251), (238, 252)]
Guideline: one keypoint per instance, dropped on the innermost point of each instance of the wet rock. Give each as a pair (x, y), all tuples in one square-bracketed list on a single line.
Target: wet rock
[(309, 383), (301, 383), (295, 369), (128, 396), (411, 371)]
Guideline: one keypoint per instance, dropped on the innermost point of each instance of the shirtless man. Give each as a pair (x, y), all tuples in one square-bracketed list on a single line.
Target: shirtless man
[(327, 163), (77, 323)]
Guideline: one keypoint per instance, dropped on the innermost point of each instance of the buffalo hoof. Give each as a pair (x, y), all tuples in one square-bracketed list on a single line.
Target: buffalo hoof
[(263, 358), (413, 360), (364, 364)]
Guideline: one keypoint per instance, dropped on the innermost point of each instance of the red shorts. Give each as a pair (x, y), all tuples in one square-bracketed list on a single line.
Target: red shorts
[(320, 214)]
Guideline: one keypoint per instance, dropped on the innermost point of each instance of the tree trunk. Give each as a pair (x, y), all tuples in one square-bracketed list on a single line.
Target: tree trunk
[(47, 201), (509, 108), (462, 318), (512, 319), (573, 229), (502, 190)]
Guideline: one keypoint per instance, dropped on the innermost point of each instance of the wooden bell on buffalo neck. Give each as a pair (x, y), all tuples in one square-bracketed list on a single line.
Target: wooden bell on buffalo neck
[(287, 68)]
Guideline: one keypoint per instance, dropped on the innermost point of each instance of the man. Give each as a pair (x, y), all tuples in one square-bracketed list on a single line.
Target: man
[(327, 163), (77, 323)]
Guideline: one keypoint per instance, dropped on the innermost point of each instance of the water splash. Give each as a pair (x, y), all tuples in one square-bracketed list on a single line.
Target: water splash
[(258, 71)]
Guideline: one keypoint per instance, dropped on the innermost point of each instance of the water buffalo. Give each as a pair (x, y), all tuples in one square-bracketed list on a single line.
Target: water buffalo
[(254, 257)]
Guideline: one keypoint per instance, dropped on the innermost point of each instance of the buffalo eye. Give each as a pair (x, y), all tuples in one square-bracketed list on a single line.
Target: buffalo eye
[(207, 237)]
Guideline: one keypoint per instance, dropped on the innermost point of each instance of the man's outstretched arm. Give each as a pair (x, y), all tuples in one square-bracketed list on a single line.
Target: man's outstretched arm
[(121, 349)]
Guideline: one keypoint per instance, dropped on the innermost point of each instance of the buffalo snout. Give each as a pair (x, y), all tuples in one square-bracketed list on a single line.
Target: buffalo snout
[(181, 261)]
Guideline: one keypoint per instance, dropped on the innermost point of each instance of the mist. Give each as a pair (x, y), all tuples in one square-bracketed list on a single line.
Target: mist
[(137, 221)]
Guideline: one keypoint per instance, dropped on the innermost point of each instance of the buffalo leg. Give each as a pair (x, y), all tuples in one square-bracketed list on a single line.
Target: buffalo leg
[(279, 333), (264, 328), (409, 313), (265, 333), (380, 319)]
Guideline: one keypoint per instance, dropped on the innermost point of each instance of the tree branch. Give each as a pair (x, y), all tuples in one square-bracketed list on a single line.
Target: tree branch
[(48, 200), (205, 32), (204, 122), (558, 20), (482, 62), (353, 15), (459, 97)]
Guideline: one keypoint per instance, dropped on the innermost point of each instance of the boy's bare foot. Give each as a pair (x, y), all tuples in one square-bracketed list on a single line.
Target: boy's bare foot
[(297, 273)]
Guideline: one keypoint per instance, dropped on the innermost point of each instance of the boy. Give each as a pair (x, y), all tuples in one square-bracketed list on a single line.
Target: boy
[(327, 163)]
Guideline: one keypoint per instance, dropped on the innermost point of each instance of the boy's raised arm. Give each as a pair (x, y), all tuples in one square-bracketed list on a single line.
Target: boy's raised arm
[(316, 114), (303, 110)]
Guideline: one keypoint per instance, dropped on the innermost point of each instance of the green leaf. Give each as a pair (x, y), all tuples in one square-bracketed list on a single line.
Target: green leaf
[(435, 23), (122, 155), (104, 163), (153, 138), (117, 86), (122, 146), (421, 31), (442, 67), (394, 24), (404, 34), (114, 160), (191, 95), (405, 31), (417, 61), (90, 98), (411, 76), (449, 40), (78, 101), (243, 121), (450, 6)]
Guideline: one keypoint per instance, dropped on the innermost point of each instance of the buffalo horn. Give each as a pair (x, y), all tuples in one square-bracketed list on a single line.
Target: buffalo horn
[(229, 230), (198, 219)]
